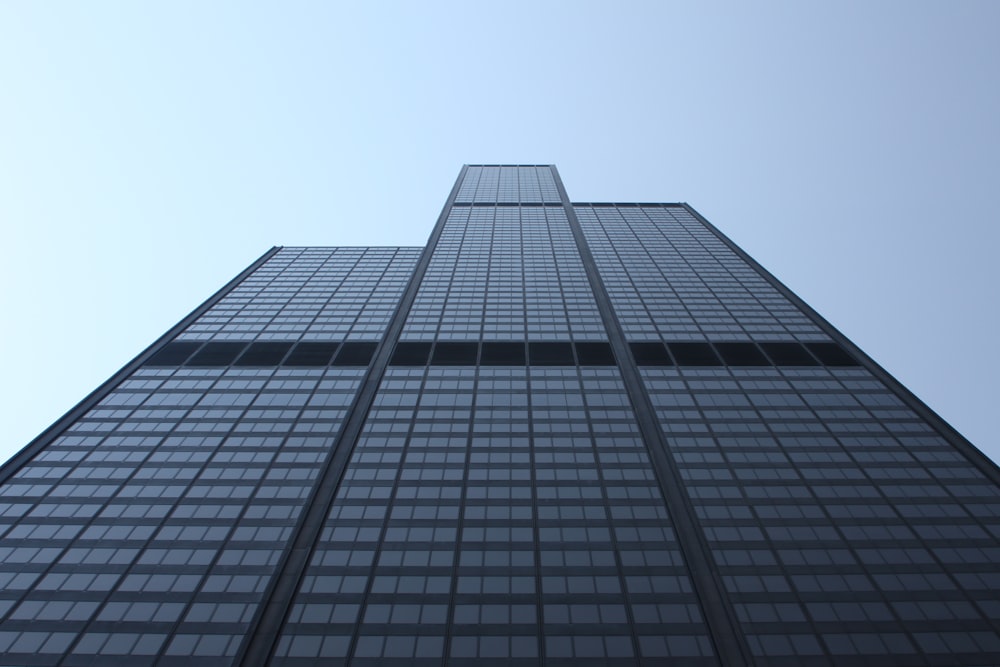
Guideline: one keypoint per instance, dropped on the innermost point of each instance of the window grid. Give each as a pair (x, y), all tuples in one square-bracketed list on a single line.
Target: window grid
[(505, 273), (185, 485), (312, 294), (669, 277), (481, 514), (826, 556)]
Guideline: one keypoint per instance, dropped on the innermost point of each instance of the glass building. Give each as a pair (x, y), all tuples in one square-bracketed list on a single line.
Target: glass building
[(560, 434)]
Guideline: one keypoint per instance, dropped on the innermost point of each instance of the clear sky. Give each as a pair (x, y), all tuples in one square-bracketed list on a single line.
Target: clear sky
[(149, 151)]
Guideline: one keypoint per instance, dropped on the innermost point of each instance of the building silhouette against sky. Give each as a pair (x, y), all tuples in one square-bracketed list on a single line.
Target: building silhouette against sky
[(560, 433)]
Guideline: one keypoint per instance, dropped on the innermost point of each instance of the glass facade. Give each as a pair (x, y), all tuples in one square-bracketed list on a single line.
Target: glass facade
[(560, 433)]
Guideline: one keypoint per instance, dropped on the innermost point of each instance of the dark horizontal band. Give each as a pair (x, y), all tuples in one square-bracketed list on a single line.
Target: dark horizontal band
[(263, 354), (741, 353), (508, 203), (502, 353), (497, 353)]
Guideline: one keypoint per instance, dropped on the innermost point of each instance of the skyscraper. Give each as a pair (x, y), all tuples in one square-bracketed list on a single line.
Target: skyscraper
[(559, 433)]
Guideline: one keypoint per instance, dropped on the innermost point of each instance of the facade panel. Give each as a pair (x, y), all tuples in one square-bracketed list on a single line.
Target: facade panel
[(505, 273), (311, 294), (558, 434), (498, 512), (843, 528), (672, 279), (153, 524)]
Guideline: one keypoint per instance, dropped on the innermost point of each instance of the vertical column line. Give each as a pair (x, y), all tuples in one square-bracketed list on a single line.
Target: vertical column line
[(982, 462), (45, 438), (719, 613), (270, 617)]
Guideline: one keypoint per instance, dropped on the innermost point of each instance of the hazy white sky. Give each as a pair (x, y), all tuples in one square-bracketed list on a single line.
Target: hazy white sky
[(150, 151)]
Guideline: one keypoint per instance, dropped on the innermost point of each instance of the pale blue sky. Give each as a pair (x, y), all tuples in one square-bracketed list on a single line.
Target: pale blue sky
[(150, 151)]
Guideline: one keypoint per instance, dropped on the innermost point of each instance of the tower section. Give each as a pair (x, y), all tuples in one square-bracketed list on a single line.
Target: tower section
[(148, 526), (847, 523), (558, 434), (499, 504)]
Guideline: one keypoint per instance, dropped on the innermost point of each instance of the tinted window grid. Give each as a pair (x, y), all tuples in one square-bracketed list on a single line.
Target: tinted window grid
[(843, 528), (669, 277), (312, 294), (497, 513)]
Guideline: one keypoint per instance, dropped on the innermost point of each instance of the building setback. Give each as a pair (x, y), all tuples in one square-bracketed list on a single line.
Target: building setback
[(587, 434)]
